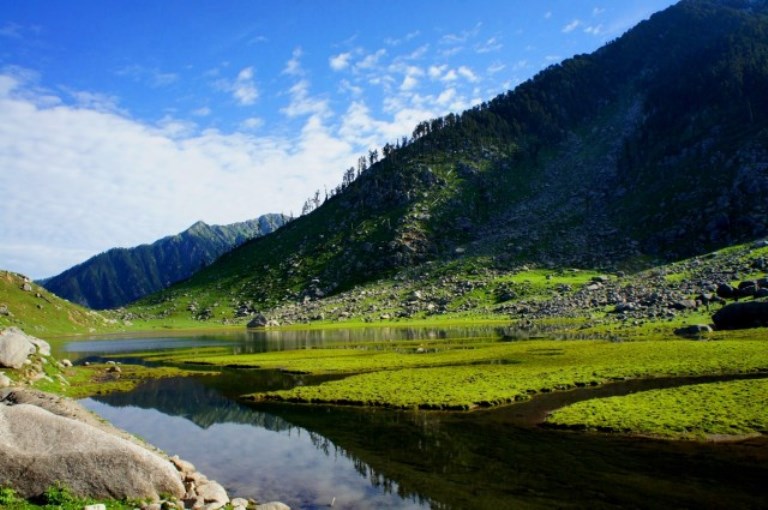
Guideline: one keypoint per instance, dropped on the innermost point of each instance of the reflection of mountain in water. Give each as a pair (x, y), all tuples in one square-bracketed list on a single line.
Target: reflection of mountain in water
[(479, 460), (189, 398)]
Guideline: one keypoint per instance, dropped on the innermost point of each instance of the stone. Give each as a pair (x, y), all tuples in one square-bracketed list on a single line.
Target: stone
[(26, 287), (98, 506), (5, 311), (43, 347), (747, 288), (182, 465), (694, 331), (273, 505), (65, 363), (5, 381), (258, 321), (742, 315), (726, 291), (240, 502), (15, 348), (39, 448), (212, 492), (685, 304)]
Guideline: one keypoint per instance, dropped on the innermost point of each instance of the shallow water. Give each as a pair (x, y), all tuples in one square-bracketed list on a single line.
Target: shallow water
[(377, 458)]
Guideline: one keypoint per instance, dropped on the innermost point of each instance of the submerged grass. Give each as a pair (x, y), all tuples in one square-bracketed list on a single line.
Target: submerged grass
[(690, 412)]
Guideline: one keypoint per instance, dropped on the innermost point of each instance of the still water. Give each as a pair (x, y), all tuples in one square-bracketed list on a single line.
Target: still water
[(312, 456)]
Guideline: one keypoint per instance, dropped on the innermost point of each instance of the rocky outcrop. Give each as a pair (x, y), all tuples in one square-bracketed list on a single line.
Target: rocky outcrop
[(46, 439), (16, 347), (40, 449)]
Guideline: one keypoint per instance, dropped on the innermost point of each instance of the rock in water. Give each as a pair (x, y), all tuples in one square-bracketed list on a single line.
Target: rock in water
[(258, 321), (752, 314), (39, 448), (15, 348)]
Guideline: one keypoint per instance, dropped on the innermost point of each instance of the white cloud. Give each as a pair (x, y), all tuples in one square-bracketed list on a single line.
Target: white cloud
[(348, 86), (490, 45), (409, 82), (251, 123), (153, 77), (304, 104), (391, 41), (95, 101), (371, 60), (11, 30), (340, 61), (203, 111), (101, 179), (243, 87), (594, 30), (446, 97), (467, 73), (496, 67), (435, 72), (570, 27), (293, 66), (451, 75)]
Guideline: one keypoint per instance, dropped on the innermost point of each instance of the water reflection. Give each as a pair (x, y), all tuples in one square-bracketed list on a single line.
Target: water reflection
[(252, 453), (255, 341), (376, 458)]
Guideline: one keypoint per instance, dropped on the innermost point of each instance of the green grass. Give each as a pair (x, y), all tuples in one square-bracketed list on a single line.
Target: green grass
[(698, 411), (58, 497), (40, 313), (495, 374)]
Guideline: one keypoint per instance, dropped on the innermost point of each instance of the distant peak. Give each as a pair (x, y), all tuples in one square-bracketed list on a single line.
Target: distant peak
[(198, 225)]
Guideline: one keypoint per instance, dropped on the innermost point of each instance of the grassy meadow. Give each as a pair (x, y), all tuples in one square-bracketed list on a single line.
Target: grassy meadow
[(700, 411)]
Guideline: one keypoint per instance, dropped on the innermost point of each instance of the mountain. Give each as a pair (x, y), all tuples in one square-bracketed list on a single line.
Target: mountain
[(121, 275), (651, 149)]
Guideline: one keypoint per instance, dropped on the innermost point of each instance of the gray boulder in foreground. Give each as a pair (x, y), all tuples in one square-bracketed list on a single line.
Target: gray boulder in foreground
[(15, 348), (39, 448)]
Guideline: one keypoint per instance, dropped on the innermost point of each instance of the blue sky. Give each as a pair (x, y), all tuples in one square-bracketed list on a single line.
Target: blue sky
[(124, 121)]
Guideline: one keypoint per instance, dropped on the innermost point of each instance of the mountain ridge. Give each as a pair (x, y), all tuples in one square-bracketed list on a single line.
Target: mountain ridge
[(121, 275), (652, 148)]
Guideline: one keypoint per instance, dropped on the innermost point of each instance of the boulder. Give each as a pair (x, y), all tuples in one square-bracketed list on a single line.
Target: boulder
[(212, 494), (694, 331), (39, 448), (5, 381), (43, 347), (273, 505), (726, 291), (258, 321), (15, 348), (742, 315)]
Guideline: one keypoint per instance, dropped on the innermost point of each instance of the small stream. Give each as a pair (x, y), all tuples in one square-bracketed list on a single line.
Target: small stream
[(312, 456)]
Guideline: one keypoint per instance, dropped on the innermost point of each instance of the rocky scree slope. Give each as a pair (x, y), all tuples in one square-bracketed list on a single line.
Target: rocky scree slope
[(122, 275), (651, 149)]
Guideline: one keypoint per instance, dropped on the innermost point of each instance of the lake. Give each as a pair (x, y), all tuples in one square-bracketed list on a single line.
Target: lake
[(313, 456)]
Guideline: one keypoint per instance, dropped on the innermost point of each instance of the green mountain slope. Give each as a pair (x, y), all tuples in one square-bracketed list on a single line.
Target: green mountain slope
[(121, 275), (26, 305), (653, 148)]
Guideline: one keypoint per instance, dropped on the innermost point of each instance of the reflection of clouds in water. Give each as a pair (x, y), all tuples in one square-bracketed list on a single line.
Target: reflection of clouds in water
[(254, 462)]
